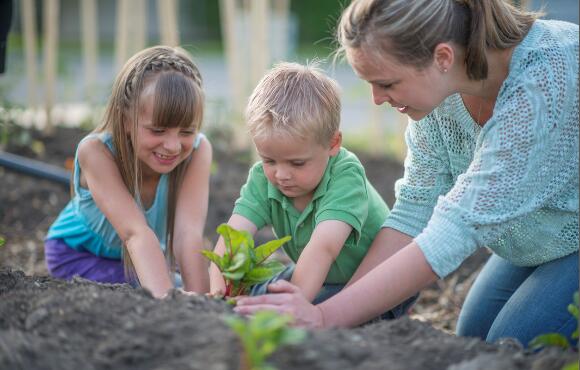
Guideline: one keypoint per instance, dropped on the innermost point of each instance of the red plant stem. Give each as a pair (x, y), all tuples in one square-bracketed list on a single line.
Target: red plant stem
[(240, 290)]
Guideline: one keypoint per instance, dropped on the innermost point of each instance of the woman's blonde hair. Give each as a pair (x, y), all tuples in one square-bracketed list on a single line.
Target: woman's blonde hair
[(409, 30), (296, 100), (178, 102)]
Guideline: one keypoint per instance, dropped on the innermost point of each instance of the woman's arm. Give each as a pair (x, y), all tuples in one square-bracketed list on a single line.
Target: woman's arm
[(315, 260), (388, 284), (103, 179), (190, 218), (386, 243)]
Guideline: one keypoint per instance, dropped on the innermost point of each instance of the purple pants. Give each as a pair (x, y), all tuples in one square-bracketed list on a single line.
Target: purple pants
[(63, 262)]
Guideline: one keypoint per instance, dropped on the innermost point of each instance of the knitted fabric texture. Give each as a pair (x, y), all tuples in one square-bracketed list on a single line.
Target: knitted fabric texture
[(512, 185)]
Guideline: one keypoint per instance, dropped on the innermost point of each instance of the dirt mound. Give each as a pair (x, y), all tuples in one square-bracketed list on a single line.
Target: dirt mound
[(52, 324)]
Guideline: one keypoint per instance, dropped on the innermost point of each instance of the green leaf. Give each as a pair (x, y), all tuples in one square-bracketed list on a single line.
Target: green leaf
[(240, 262), (262, 273), (215, 258), (574, 309), (263, 334), (550, 339), (234, 238), (571, 366), (234, 276), (2, 241), (293, 336), (266, 249)]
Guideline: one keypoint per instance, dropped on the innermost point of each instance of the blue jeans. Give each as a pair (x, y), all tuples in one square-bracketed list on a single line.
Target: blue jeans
[(521, 302), (328, 290)]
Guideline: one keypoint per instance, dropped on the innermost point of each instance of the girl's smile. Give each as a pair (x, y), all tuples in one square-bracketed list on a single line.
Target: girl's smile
[(160, 149), (166, 160)]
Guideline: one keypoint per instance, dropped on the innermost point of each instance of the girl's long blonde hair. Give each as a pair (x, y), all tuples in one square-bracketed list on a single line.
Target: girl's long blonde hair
[(179, 102), (409, 30)]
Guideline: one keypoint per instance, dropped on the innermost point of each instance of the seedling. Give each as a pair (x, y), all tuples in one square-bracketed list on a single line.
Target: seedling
[(556, 339), (2, 241), (242, 265), (262, 335)]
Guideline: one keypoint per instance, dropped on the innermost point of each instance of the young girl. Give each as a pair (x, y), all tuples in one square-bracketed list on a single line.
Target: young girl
[(141, 182)]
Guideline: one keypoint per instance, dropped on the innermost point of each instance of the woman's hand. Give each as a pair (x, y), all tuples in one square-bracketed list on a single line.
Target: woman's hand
[(287, 299)]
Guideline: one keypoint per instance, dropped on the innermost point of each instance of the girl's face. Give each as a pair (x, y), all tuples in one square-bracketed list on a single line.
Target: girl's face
[(160, 149), (295, 166), (411, 91)]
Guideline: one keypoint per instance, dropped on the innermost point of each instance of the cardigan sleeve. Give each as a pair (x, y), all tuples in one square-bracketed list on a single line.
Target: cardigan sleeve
[(525, 156), (427, 176)]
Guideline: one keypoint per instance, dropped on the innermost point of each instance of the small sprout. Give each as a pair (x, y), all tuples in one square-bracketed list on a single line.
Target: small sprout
[(556, 339), (2, 241), (242, 265), (262, 335)]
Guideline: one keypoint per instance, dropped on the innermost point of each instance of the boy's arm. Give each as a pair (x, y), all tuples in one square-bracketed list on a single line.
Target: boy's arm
[(190, 217), (217, 283), (315, 260)]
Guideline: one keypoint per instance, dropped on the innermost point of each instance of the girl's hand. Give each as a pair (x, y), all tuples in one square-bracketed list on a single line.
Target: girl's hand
[(288, 299), (216, 294)]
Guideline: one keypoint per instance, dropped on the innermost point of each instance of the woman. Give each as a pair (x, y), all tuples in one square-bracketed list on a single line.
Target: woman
[(492, 96)]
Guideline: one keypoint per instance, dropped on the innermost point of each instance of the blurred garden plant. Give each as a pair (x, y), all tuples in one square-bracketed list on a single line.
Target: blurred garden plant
[(242, 265), (263, 334), (558, 340), (555, 339)]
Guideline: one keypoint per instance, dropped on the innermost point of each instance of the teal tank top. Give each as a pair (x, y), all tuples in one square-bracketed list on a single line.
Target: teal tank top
[(83, 226)]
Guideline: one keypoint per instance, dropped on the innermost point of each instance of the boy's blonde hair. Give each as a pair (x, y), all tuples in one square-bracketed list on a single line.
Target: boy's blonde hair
[(296, 100)]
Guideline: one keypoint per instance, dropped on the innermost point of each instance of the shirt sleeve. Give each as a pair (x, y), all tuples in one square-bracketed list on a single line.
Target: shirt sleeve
[(525, 155), (427, 176), (253, 201), (346, 198)]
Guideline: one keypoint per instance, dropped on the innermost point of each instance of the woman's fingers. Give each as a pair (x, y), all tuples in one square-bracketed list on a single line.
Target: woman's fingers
[(286, 299), (283, 286), (270, 299)]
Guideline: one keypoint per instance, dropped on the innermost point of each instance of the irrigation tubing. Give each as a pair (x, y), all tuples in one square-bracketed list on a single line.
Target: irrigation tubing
[(35, 168)]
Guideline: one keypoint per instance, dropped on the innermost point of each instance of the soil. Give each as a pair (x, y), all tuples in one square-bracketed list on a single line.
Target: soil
[(52, 324)]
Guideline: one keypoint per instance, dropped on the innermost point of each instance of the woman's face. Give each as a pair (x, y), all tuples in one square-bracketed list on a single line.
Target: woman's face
[(411, 91)]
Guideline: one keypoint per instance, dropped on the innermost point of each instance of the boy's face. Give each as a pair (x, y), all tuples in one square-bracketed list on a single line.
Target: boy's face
[(295, 166)]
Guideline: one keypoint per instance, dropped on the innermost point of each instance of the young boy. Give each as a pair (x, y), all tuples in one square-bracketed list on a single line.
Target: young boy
[(306, 185)]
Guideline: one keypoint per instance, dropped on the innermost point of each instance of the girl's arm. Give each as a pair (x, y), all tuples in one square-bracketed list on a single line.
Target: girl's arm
[(101, 176), (238, 222), (190, 218), (317, 257)]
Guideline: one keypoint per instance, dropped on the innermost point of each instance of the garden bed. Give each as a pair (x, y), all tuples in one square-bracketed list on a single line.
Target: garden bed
[(52, 324)]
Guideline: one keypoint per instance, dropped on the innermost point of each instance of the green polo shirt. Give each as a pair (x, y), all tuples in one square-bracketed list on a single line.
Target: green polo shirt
[(344, 194)]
